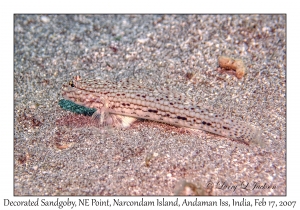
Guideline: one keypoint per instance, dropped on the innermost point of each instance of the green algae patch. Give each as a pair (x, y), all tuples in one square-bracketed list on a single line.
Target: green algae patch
[(71, 106)]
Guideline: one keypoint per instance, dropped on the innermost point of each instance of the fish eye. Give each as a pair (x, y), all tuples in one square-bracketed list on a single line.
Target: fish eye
[(71, 84)]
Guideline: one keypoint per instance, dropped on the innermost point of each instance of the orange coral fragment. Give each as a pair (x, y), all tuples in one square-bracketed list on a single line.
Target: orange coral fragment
[(234, 64)]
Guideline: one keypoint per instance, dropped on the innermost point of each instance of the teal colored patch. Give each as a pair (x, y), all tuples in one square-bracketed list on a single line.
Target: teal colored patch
[(71, 106), (118, 38)]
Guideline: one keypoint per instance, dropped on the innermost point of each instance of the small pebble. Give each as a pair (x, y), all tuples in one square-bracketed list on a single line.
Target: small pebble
[(45, 19)]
